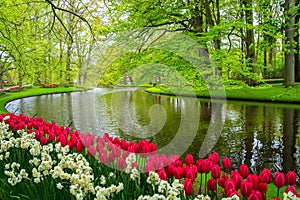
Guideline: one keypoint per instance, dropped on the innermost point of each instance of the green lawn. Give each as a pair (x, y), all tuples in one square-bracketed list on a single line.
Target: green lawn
[(267, 93), (34, 91)]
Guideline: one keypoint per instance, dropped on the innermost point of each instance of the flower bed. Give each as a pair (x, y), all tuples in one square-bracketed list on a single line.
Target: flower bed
[(39, 157), (16, 88), (52, 85)]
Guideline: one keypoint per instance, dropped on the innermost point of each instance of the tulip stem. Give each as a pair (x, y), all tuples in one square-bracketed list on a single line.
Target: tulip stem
[(205, 183), (200, 192), (217, 189), (278, 192)]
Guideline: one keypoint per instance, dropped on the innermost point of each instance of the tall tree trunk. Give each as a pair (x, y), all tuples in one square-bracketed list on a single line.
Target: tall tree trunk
[(68, 63), (265, 62), (297, 47), (289, 58), (249, 39)]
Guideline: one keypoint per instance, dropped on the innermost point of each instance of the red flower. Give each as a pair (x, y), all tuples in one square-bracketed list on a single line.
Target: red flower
[(229, 186), (188, 186), (291, 178), (265, 176), (170, 170), (211, 184), (226, 163), (200, 166), (191, 175), (162, 174), (262, 187), (214, 157), (279, 180), (111, 157), (92, 150), (79, 147), (255, 195), (253, 178), (103, 157), (216, 171), (121, 163), (189, 159), (291, 189), (246, 188), (244, 170), (221, 181), (236, 177), (43, 141), (178, 173), (207, 166)]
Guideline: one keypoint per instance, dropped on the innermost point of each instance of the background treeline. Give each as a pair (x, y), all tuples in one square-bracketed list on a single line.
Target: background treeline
[(66, 40)]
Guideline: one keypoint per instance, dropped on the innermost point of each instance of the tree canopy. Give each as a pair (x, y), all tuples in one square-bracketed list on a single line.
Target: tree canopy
[(66, 41)]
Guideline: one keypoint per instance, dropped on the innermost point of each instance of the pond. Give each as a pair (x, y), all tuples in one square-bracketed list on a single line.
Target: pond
[(258, 134)]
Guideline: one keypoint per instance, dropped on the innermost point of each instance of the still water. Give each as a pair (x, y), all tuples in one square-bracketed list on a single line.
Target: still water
[(260, 135)]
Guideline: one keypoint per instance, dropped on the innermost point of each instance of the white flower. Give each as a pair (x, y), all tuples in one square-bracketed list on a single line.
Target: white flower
[(135, 174), (102, 180), (59, 186), (6, 117)]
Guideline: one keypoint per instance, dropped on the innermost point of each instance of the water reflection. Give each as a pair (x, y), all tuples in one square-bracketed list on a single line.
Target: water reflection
[(261, 135)]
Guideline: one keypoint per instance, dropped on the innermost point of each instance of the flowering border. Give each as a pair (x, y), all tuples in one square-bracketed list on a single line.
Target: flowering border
[(81, 164)]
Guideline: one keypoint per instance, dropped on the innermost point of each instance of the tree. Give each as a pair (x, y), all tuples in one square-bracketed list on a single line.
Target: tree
[(289, 59)]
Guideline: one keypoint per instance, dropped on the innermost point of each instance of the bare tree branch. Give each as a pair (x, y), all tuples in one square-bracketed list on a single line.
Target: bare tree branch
[(54, 8)]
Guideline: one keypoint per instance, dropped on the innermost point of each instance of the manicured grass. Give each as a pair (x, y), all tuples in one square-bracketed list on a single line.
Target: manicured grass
[(267, 93), (34, 91)]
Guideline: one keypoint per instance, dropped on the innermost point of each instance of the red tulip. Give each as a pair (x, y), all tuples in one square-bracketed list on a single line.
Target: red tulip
[(291, 178), (43, 141), (244, 170), (185, 169), (214, 158), (226, 163), (191, 175), (92, 150), (79, 147), (262, 187), (253, 178), (188, 186), (121, 163), (236, 177), (207, 166), (103, 157), (200, 166), (255, 195), (189, 159), (279, 180), (265, 176), (111, 157), (229, 185), (221, 181), (170, 170), (211, 184), (162, 174), (178, 173), (246, 188), (216, 171), (291, 189)]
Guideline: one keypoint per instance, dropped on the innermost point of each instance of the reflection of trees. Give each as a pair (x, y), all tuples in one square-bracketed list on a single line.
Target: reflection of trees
[(290, 127), (251, 113)]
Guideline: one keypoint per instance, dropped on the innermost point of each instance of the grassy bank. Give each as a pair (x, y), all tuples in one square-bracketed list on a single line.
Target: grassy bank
[(267, 93), (34, 91)]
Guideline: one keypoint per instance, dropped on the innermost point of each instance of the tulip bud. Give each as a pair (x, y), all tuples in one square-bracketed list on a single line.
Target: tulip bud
[(244, 170), (291, 178), (279, 179)]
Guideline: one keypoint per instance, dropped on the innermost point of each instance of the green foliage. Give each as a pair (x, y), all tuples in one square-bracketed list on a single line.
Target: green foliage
[(151, 66)]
